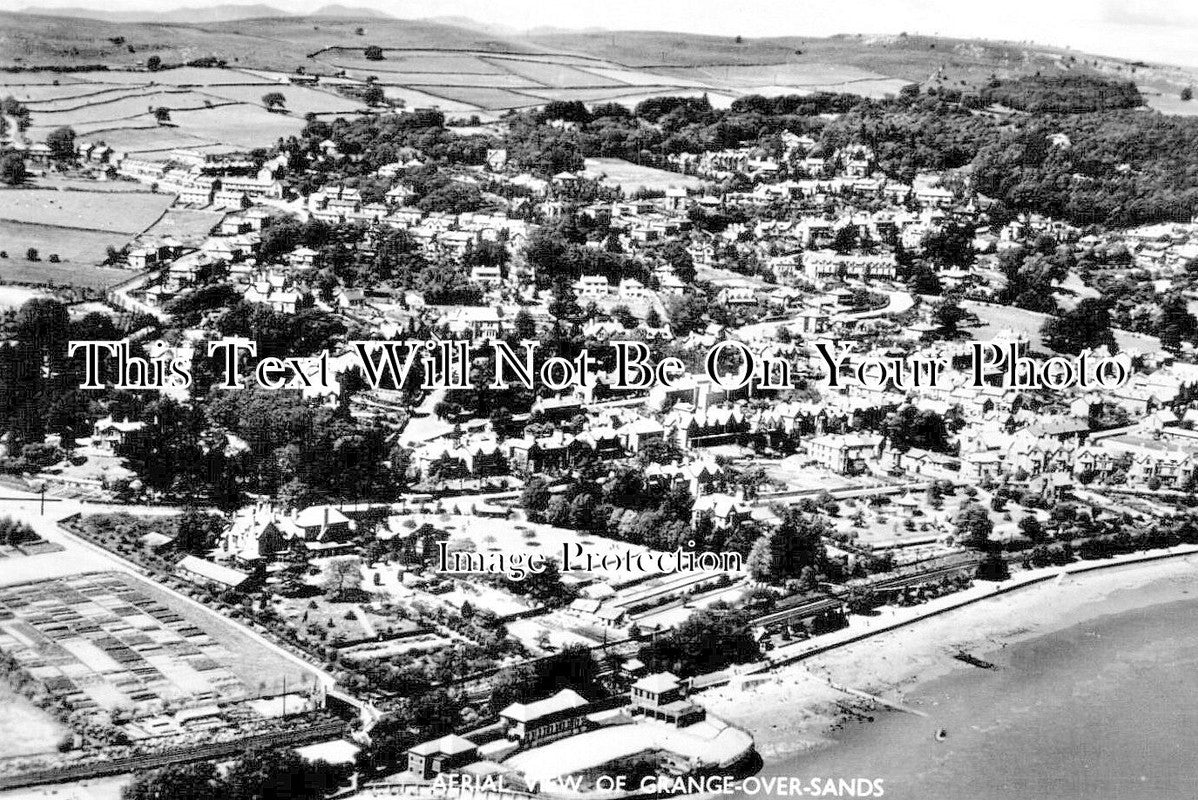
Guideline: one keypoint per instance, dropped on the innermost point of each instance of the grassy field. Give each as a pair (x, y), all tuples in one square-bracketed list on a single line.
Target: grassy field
[(560, 75), (208, 106), (138, 109), (299, 100), (412, 63), (242, 126), (412, 98), (86, 210), (78, 250), (493, 99), (186, 225), (152, 139)]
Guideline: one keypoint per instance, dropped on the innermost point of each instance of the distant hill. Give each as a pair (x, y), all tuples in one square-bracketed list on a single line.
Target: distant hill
[(348, 12), (228, 12)]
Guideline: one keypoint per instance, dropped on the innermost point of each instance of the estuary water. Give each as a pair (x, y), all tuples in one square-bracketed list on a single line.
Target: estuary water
[(1105, 709)]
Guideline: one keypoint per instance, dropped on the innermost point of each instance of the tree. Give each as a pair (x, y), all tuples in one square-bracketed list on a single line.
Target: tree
[(679, 258), (921, 428), (535, 496), (950, 245), (61, 142), (1086, 326), (1187, 94), (162, 114), (1176, 323), (197, 531), (710, 639), (12, 169), (154, 63), (1031, 527), (198, 781), (341, 575), (32, 255), (373, 53), (947, 315), (261, 773), (374, 95), (785, 552), (273, 100), (524, 327), (845, 239), (974, 526)]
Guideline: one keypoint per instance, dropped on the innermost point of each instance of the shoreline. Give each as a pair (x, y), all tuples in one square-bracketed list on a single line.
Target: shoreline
[(797, 708)]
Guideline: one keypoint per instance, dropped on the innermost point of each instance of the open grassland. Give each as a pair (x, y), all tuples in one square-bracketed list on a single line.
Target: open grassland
[(93, 211)]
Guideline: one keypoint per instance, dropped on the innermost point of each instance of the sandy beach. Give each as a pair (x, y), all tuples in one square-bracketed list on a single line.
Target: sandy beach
[(796, 709)]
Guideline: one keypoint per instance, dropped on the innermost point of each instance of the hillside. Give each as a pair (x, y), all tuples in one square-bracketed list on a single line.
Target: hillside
[(199, 15), (31, 40), (462, 67)]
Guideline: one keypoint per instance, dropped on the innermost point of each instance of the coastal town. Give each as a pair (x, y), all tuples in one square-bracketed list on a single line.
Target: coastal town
[(428, 452)]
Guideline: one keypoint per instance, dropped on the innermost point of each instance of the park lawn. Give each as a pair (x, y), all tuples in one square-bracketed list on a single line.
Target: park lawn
[(630, 177)]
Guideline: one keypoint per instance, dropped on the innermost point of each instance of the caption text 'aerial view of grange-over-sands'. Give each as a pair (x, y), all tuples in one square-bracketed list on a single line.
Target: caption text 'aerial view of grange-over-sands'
[(646, 399)]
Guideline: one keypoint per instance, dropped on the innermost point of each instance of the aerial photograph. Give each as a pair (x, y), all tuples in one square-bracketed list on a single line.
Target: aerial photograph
[(530, 400)]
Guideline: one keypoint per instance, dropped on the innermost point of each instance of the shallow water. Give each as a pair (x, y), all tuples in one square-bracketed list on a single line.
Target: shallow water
[(1105, 709)]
